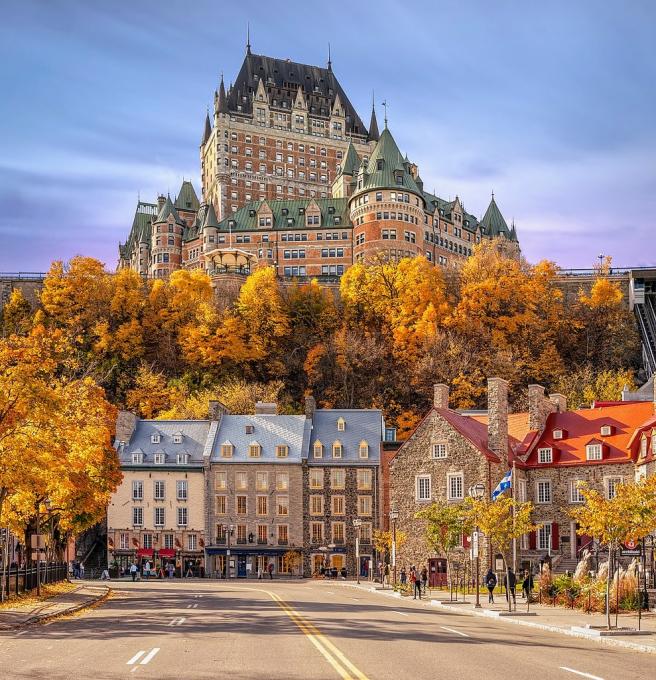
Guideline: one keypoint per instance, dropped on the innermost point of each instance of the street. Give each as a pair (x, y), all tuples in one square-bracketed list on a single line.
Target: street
[(297, 629)]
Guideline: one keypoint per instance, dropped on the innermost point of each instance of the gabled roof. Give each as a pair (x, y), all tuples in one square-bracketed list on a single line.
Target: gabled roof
[(471, 429), (493, 222), (360, 425), (168, 209), (282, 79), (187, 199), (351, 161)]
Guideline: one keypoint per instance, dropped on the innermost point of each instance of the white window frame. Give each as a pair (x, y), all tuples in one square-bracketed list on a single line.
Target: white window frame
[(606, 431), (159, 515), (137, 458), (338, 449), (611, 482), (317, 450), (181, 489), (159, 458), (341, 424), (544, 532), (192, 542), (420, 487), (594, 452), (538, 483), (363, 450), (439, 451), (557, 433), (450, 478), (159, 484), (137, 490), (545, 455), (137, 512), (155, 438), (182, 516), (575, 495)]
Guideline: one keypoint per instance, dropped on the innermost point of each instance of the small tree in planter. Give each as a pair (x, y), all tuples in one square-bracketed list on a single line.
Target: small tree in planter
[(629, 516), (382, 542), (444, 529), (501, 520), (292, 560)]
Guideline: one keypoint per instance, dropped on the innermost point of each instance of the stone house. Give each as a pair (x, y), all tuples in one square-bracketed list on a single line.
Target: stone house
[(157, 513)]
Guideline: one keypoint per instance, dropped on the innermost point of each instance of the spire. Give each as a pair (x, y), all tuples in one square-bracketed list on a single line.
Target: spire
[(210, 218), (330, 63), (384, 103), (208, 128), (223, 102), (373, 135), (351, 161), (493, 221), (248, 38)]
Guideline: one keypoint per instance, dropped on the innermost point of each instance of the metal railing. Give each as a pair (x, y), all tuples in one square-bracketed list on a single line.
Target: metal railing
[(23, 579), (22, 276)]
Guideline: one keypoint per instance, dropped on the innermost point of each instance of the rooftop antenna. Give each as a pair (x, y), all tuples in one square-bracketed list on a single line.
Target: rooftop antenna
[(330, 63), (384, 104), (248, 37)]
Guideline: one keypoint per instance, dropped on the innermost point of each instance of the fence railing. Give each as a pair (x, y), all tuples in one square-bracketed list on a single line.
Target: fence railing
[(19, 580)]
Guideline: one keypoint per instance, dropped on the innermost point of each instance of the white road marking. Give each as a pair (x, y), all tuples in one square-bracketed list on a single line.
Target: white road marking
[(188, 606), (136, 657), (178, 621), (453, 630), (402, 614), (150, 655), (585, 675), (194, 606)]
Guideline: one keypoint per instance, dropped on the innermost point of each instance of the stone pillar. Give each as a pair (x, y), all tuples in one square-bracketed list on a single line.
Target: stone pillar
[(441, 396), (497, 425), (126, 422), (559, 401)]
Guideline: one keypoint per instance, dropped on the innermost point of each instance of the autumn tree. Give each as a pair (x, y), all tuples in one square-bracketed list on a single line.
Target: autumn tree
[(150, 394), (383, 541), (16, 315)]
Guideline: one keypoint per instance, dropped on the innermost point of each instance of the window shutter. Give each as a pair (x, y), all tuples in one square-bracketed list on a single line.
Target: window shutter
[(554, 536), (532, 541)]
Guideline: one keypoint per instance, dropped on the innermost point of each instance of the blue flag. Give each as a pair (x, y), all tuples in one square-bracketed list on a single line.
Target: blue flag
[(505, 483)]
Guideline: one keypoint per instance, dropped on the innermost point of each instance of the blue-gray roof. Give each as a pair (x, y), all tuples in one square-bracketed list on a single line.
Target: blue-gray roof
[(269, 431), (359, 425), (194, 438)]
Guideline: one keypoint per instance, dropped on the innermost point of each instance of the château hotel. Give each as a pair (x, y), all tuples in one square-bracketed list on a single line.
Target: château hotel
[(292, 178)]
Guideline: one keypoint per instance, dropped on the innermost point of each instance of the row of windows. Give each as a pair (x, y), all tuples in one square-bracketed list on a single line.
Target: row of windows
[(332, 252), (159, 458), (262, 480), (338, 532), (248, 139), (338, 478), (592, 452), (146, 541), (544, 490), (159, 490), (338, 505), (294, 254), (254, 450), (261, 534), (295, 271), (138, 516), (261, 505), (401, 217)]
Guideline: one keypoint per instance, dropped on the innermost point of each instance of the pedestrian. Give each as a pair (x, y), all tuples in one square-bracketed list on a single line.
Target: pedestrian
[(259, 573), (133, 571), (105, 575), (146, 570), (81, 569), (76, 569), (171, 569), (190, 571), (416, 580), (387, 575), (491, 584), (527, 585), (270, 571), (404, 576), (510, 583), (424, 578)]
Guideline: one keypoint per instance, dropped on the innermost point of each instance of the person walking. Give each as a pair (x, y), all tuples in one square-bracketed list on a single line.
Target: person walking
[(146, 570), (81, 569), (404, 576), (424, 578), (416, 579), (105, 575), (387, 575), (270, 569), (510, 583), (527, 585), (133, 571), (491, 584)]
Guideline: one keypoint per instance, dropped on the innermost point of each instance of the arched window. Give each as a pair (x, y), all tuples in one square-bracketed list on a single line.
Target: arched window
[(337, 449), (318, 449), (341, 424)]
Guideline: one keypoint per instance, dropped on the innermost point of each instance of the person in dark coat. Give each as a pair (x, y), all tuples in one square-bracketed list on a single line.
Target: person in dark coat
[(424, 579), (527, 584), (404, 576), (416, 580), (510, 583), (490, 584)]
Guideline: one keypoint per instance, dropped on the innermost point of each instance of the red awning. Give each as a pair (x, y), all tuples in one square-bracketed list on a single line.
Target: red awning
[(145, 552), (166, 552)]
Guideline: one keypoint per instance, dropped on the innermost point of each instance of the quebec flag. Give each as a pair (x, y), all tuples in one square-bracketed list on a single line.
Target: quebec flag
[(505, 483)]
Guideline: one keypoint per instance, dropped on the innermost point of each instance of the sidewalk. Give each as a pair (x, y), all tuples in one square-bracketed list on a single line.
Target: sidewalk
[(572, 622), (27, 613)]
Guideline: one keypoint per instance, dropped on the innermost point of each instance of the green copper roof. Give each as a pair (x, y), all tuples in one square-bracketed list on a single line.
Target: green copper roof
[(168, 209), (210, 219), (351, 162), (385, 161), (493, 222), (187, 199)]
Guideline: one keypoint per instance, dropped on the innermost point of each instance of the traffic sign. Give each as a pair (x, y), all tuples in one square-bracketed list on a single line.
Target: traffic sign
[(630, 549)]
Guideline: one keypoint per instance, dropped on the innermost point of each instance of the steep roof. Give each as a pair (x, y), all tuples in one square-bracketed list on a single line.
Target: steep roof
[(141, 227), (385, 161), (359, 425), (222, 104), (210, 219), (187, 199), (208, 129), (168, 209), (493, 222), (281, 79), (373, 135), (351, 161), (583, 425), (471, 429)]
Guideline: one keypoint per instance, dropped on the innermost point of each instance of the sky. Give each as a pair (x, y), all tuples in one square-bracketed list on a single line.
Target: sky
[(551, 105)]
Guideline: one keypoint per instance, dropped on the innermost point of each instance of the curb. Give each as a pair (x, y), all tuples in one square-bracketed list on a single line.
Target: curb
[(602, 640), (64, 612)]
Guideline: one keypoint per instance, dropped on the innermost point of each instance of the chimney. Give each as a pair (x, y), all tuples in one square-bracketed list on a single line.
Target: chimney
[(441, 396), (161, 200), (310, 407), (497, 411), (539, 407), (266, 408), (559, 401), (216, 409), (126, 421)]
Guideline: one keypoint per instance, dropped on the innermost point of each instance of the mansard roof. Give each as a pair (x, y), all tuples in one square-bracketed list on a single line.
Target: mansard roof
[(168, 209), (359, 425), (141, 227), (246, 218), (187, 199), (282, 78), (493, 222)]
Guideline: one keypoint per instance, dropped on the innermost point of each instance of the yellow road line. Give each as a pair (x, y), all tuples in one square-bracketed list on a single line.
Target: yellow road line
[(345, 668)]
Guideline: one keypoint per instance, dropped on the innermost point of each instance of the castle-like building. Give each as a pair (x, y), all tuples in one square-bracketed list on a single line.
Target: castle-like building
[(291, 177)]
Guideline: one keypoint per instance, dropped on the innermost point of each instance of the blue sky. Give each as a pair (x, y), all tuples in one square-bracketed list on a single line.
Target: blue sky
[(551, 105)]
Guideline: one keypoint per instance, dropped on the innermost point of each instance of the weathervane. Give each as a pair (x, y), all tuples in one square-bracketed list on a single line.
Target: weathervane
[(384, 105)]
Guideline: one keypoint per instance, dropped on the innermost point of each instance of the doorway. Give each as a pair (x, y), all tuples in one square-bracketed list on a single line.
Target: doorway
[(437, 572), (241, 566)]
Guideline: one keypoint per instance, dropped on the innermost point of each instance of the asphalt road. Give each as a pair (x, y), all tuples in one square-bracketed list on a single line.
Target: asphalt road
[(289, 630)]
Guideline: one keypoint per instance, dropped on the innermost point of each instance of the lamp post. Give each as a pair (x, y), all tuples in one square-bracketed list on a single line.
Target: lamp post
[(357, 523), (228, 528), (394, 515), (477, 491)]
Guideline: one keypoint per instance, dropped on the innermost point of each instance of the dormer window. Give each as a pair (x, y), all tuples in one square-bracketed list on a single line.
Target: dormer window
[(137, 458), (364, 449), (643, 446), (593, 451), (177, 438), (155, 438), (606, 430), (558, 434), (653, 443), (226, 450), (545, 455), (341, 424), (282, 451), (379, 164), (254, 450), (337, 449), (159, 458), (317, 451), (182, 458)]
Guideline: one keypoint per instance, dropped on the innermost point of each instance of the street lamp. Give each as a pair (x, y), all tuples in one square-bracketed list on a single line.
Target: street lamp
[(357, 523), (228, 528), (477, 491), (394, 515)]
